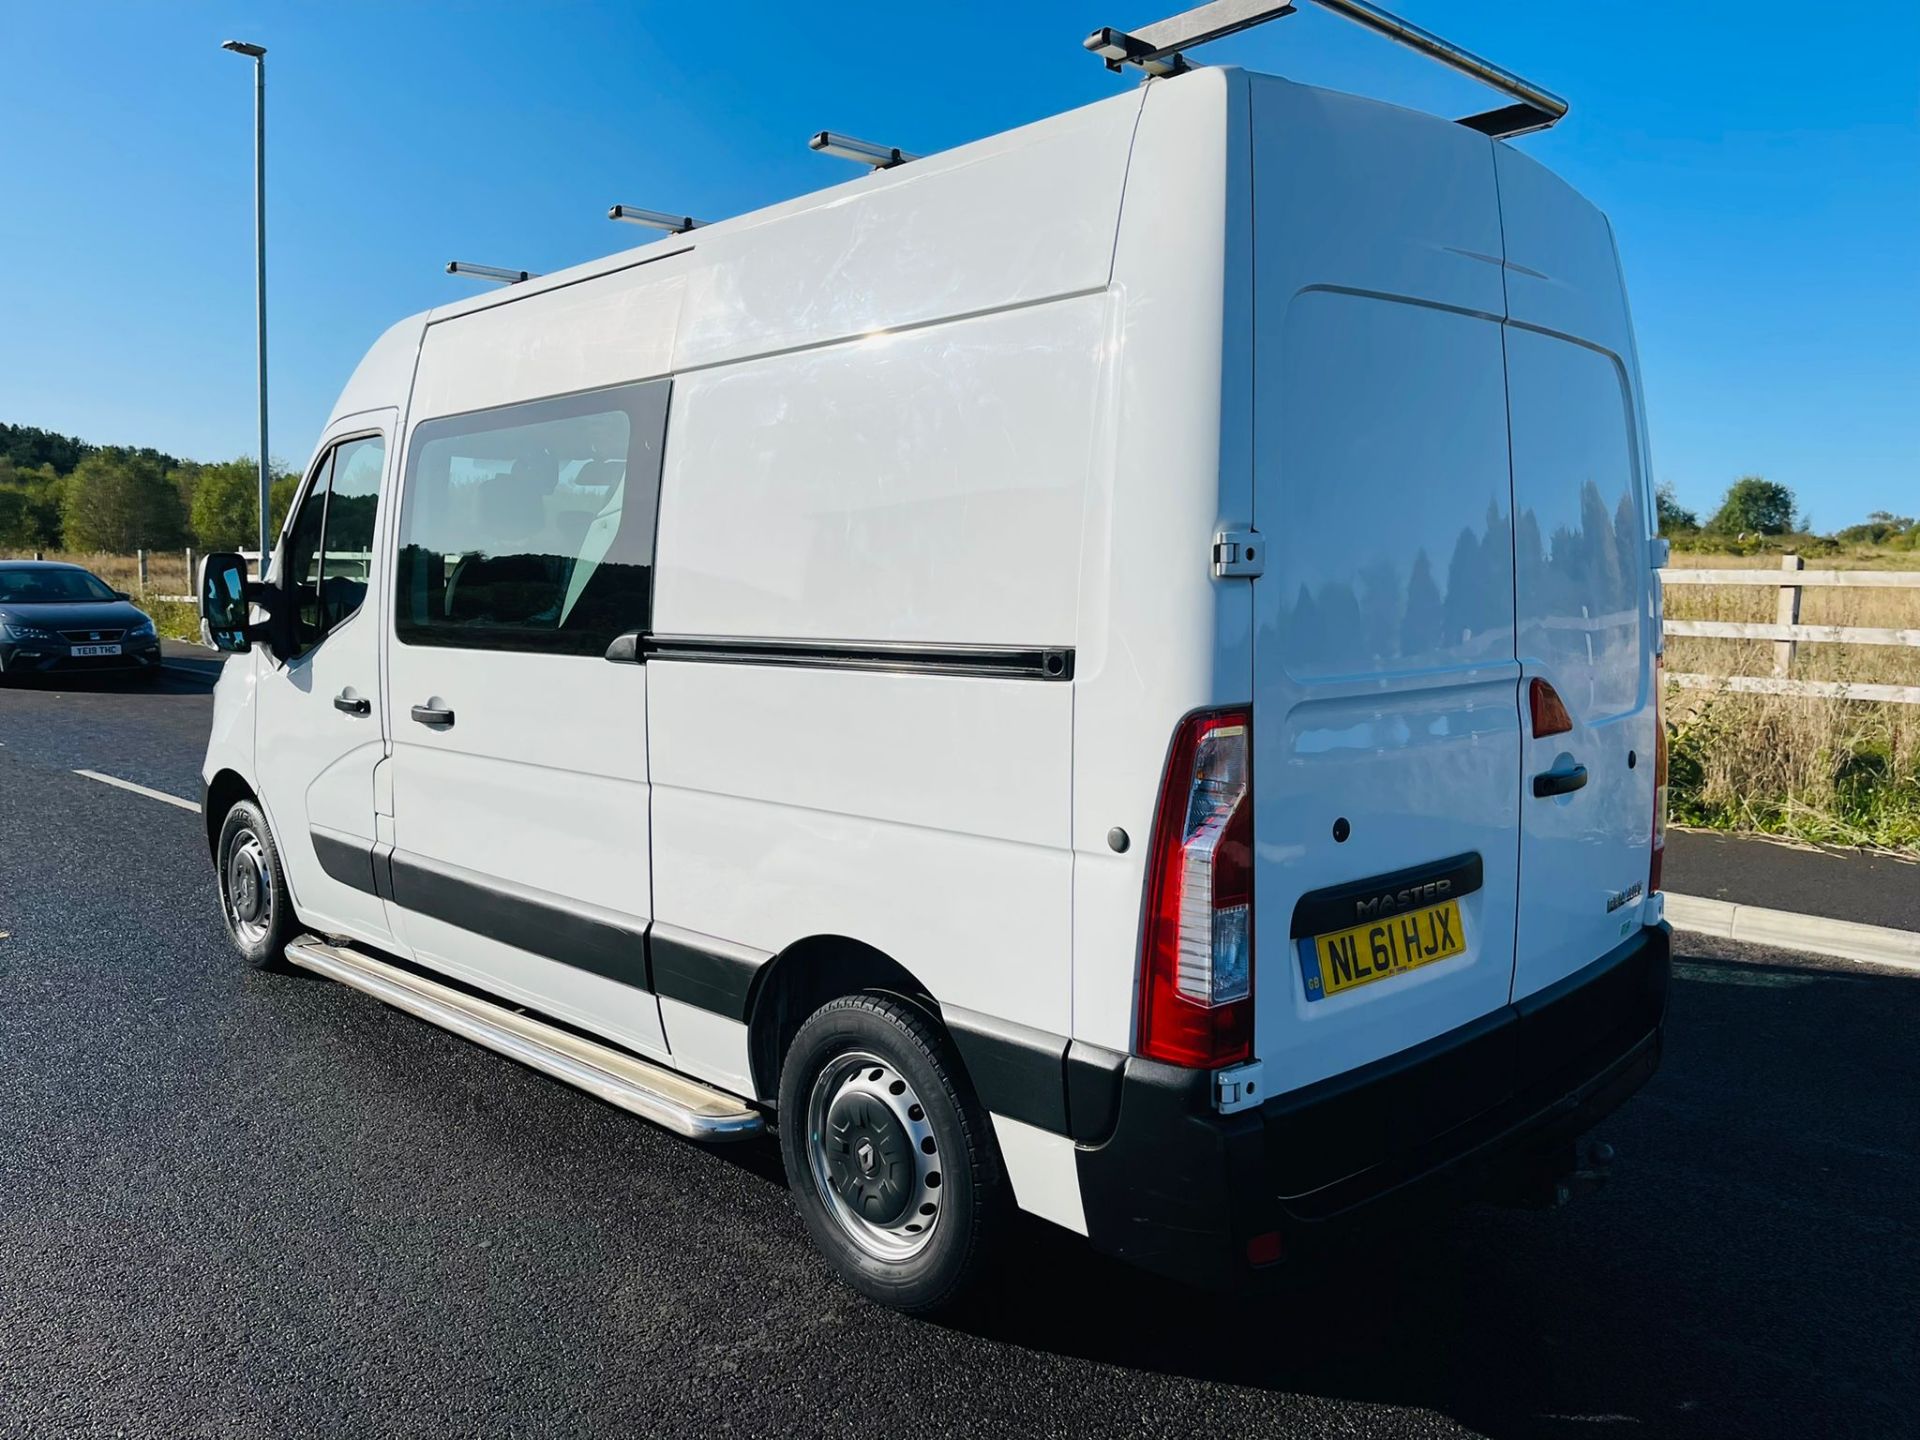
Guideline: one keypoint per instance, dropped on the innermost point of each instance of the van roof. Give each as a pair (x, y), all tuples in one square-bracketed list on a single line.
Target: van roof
[(1104, 128)]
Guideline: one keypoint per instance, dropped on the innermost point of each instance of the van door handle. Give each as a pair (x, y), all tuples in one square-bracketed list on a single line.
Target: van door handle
[(432, 715), (1559, 782), (352, 704)]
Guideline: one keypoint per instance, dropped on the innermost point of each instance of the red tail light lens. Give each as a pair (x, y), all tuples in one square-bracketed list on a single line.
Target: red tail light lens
[(1659, 774), (1196, 964)]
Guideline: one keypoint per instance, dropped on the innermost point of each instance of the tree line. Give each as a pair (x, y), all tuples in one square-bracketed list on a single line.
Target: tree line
[(58, 492), (1755, 509)]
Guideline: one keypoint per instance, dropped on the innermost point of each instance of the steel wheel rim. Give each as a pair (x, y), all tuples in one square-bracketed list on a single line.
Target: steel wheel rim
[(859, 1097), (246, 888)]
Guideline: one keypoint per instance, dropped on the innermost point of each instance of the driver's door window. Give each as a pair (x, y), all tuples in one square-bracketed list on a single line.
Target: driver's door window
[(329, 547)]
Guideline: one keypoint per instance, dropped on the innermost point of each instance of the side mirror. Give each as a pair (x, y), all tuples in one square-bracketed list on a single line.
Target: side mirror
[(121, 595), (224, 603)]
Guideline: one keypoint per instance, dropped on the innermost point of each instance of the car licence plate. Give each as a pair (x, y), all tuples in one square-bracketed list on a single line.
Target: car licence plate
[(96, 650), (1381, 949)]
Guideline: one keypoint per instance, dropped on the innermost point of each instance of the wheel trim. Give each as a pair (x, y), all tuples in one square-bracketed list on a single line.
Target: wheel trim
[(246, 888), (873, 1156)]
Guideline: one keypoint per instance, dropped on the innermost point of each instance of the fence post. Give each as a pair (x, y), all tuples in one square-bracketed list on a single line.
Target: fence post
[(189, 587), (140, 559), (39, 555), (1787, 613)]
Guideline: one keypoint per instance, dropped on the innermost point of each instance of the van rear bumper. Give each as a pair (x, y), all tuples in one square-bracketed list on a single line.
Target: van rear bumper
[(1180, 1189)]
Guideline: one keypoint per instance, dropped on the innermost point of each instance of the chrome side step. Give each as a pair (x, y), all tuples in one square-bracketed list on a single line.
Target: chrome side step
[(650, 1091)]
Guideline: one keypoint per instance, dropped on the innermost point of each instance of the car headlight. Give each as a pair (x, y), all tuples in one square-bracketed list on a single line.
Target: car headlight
[(19, 630), (142, 631)]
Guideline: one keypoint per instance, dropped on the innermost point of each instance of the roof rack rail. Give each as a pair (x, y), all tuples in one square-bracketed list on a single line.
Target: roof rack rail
[(490, 272), (1155, 49), (658, 219), (881, 157)]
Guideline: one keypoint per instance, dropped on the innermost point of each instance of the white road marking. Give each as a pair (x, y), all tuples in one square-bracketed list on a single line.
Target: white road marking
[(140, 790)]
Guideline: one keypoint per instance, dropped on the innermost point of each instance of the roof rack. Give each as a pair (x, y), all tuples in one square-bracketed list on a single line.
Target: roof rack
[(1155, 49), (881, 157), (490, 272), (657, 219)]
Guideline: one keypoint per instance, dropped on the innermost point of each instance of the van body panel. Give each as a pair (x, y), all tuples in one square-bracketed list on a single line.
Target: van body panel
[(911, 486), (924, 815), (384, 375), (611, 329), (1386, 731), (1158, 635), (1583, 583), (1008, 220), (1354, 194), (539, 789)]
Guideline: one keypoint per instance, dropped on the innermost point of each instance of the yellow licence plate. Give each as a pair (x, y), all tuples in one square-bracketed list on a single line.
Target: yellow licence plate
[(1381, 949)]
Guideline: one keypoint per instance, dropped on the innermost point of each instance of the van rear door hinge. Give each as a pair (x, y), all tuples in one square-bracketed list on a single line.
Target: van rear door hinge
[(1238, 1088), (1239, 553)]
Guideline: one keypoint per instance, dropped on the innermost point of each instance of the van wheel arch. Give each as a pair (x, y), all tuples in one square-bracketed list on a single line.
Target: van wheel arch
[(806, 975), (224, 791)]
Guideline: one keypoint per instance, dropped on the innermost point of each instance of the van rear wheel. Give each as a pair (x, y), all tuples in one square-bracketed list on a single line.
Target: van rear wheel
[(253, 889), (889, 1154)]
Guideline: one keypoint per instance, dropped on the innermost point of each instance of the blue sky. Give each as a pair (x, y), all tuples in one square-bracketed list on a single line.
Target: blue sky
[(1762, 170)]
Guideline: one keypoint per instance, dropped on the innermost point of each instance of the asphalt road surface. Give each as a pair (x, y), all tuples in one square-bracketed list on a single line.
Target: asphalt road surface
[(255, 1204), (1841, 884)]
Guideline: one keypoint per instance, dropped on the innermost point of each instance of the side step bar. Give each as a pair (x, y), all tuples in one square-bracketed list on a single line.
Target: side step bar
[(682, 1105)]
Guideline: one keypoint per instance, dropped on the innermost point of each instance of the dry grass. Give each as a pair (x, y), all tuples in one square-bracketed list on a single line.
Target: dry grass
[(1836, 771)]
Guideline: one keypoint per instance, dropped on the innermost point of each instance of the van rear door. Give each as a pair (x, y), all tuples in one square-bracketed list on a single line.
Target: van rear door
[(1581, 579), (1387, 742)]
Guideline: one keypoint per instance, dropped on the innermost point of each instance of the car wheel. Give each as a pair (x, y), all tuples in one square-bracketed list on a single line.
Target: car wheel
[(253, 889), (889, 1154)]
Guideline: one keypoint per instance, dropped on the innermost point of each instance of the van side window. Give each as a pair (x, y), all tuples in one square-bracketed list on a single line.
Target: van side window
[(353, 499), (530, 527), (329, 546)]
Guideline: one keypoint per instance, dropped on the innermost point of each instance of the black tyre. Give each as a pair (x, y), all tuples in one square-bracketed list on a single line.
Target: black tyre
[(253, 889), (889, 1154)]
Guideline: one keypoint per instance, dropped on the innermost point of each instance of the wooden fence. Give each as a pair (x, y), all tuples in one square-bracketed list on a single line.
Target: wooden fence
[(1787, 633)]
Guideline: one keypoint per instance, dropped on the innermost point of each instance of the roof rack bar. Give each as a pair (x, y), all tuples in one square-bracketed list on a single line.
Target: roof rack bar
[(490, 272), (881, 157), (1156, 49), (1546, 106), (657, 219)]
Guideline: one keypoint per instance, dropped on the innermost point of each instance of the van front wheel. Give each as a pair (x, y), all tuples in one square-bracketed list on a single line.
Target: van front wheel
[(253, 888), (889, 1154)]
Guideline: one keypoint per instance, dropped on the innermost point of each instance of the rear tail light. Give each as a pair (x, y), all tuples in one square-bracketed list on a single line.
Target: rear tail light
[(1196, 964), (1659, 774), (1549, 711)]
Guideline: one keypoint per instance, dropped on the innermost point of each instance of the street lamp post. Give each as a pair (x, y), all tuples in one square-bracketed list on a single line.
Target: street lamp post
[(258, 53)]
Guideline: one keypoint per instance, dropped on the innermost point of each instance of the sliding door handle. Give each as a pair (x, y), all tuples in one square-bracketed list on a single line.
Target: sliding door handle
[(433, 715), (1559, 782), (350, 704)]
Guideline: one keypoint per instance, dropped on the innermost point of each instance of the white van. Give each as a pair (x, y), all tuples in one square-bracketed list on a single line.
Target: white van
[(1110, 671)]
